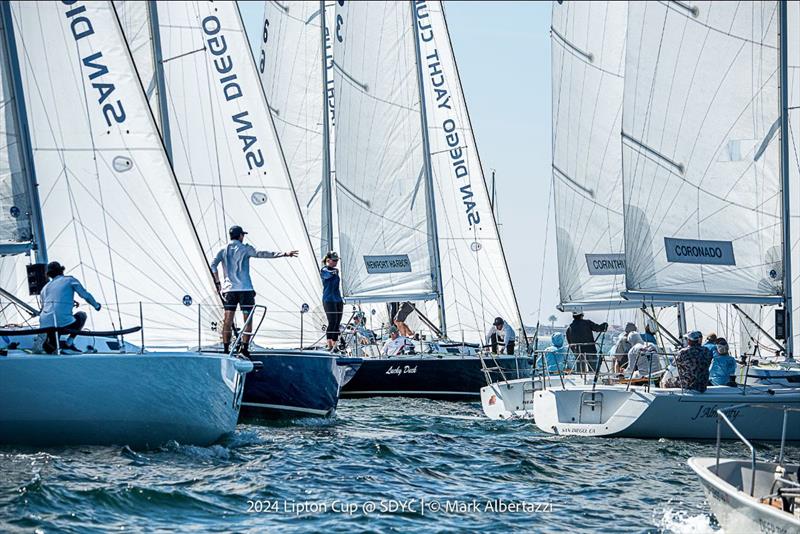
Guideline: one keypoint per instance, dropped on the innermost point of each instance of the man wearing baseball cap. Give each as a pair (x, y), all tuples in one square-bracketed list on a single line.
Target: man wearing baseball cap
[(501, 333), (237, 287), (693, 362)]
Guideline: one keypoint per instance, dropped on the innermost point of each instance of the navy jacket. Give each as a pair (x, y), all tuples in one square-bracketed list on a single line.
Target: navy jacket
[(330, 285)]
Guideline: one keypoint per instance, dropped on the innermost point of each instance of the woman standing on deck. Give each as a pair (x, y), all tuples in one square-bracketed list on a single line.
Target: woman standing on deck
[(332, 300)]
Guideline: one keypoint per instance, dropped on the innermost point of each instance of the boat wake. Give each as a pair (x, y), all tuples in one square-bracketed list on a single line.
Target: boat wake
[(675, 521)]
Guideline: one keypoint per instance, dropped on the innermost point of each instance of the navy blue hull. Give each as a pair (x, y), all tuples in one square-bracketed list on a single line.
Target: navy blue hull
[(294, 384), (446, 378)]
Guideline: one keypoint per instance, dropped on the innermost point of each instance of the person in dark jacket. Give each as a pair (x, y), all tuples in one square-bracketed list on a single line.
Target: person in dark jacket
[(332, 300), (581, 340)]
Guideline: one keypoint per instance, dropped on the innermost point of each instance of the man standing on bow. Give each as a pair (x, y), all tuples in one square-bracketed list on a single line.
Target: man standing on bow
[(237, 288)]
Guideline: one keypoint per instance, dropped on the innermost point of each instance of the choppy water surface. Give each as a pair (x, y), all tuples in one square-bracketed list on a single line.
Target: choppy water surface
[(306, 473)]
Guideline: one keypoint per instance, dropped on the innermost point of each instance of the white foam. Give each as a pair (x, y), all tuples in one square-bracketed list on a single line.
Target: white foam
[(683, 522)]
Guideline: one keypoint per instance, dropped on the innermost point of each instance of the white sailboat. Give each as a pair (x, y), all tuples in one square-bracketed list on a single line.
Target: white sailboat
[(231, 171), (588, 63), (89, 176), (706, 202), (415, 223)]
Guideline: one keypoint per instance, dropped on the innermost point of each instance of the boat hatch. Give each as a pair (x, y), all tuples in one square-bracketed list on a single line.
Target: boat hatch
[(591, 407)]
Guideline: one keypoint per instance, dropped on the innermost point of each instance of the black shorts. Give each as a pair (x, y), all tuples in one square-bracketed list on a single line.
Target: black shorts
[(244, 299), (405, 310)]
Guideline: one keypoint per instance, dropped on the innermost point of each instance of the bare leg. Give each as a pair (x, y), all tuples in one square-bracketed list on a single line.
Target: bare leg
[(404, 329), (227, 327), (331, 344), (248, 333)]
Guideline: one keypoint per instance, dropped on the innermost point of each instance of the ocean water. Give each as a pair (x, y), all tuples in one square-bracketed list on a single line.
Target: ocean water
[(382, 465)]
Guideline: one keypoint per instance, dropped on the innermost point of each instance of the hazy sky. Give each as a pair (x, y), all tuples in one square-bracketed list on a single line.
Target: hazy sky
[(503, 55)]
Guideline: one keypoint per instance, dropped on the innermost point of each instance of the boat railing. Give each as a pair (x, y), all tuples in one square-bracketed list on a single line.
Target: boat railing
[(722, 416), (246, 328)]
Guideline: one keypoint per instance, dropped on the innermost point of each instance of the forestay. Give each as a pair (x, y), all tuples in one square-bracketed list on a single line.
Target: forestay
[(701, 151), (228, 160), (588, 59), (381, 200), (114, 216), (475, 278), (290, 65)]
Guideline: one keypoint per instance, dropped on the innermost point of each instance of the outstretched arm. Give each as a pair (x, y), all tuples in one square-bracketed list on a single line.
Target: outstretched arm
[(266, 254), (85, 295)]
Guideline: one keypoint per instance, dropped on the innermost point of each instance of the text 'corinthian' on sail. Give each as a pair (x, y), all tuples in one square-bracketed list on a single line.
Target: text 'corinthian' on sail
[(231, 89), (81, 27), (444, 108)]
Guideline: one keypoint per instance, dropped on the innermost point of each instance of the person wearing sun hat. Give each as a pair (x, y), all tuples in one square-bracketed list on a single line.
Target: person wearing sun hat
[(332, 300), (237, 287)]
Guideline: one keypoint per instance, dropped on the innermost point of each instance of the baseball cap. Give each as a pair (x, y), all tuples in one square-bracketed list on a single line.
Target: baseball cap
[(498, 321), (695, 335), (236, 231), (54, 269), (332, 255)]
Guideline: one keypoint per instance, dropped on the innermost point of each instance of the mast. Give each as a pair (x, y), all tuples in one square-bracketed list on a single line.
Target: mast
[(327, 190), (37, 225), (158, 73), (433, 231), (787, 243)]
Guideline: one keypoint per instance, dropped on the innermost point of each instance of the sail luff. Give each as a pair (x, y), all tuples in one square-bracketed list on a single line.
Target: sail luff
[(785, 181), (430, 197), (158, 77), (38, 244), (327, 184), (494, 222)]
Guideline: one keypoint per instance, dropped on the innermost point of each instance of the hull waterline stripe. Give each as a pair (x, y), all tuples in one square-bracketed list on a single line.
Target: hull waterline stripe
[(286, 408)]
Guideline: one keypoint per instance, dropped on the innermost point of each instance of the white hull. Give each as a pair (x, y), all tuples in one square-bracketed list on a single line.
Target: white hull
[(140, 400), (662, 413), (735, 510), (513, 399)]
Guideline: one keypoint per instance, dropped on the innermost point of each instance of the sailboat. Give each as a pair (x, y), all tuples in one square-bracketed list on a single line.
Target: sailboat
[(231, 171), (588, 62), (414, 224), (705, 179), (86, 180)]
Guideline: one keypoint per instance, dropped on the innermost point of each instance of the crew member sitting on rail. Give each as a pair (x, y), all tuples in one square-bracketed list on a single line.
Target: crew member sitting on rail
[(643, 357), (723, 368), (693, 362), (501, 333), (57, 301), (396, 344)]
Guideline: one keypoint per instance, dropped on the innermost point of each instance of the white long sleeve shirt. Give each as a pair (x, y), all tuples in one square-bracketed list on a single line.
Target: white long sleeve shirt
[(504, 336), (58, 296), (395, 346), (235, 260)]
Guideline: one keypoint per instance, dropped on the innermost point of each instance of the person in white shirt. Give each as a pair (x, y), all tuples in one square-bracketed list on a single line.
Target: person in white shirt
[(396, 344), (57, 302), (501, 333), (237, 288)]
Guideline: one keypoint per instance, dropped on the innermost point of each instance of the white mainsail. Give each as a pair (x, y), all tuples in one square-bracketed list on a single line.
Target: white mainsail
[(476, 282), (381, 198), (228, 160), (113, 214), (701, 152), (290, 64), (588, 62)]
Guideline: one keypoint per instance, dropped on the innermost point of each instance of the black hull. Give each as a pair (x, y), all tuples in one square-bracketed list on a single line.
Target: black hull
[(292, 384), (431, 377)]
